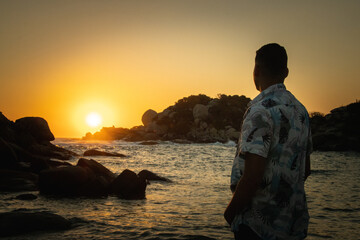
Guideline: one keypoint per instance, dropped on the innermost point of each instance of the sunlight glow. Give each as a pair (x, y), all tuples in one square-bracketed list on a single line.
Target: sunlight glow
[(93, 119)]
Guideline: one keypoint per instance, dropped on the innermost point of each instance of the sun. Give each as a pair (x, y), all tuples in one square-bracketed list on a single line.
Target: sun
[(93, 119)]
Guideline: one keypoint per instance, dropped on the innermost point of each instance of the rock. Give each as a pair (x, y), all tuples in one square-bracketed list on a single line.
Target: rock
[(20, 222), (16, 181), (26, 196), (200, 111), (149, 143), (49, 150), (98, 169), (181, 141), (94, 152), (338, 130), (6, 129), (57, 163), (150, 176), (8, 157), (164, 114), (64, 181), (36, 126), (232, 134), (87, 178), (128, 185), (156, 128), (148, 116)]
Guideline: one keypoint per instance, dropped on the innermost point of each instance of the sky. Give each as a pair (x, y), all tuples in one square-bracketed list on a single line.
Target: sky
[(62, 60)]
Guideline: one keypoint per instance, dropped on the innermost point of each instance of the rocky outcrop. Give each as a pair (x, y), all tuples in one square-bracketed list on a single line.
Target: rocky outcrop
[(94, 152), (337, 131), (25, 221), (28, 141), (25, 151), (194, 118), (128, 185)]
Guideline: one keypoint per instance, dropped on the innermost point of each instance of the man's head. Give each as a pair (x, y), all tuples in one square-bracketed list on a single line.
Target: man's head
[(270, 66)]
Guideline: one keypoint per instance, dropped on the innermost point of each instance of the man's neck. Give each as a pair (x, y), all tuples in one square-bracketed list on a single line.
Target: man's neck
[(268, 84)]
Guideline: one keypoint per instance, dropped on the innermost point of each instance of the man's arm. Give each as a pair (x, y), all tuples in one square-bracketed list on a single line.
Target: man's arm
[(248, 185)]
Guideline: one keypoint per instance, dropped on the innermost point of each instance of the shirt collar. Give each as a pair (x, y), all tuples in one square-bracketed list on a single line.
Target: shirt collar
[(269, 90)]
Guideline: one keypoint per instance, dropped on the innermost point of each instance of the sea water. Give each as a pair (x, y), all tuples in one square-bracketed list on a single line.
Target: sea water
[(192, 205)]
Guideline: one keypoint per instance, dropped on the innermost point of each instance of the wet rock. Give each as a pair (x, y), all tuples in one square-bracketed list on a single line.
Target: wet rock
[(94, 152), (26, 196), (20, 222), (97, 169), (87, 178), (64, 181), (150, 176), (16, 181), (128, 185)]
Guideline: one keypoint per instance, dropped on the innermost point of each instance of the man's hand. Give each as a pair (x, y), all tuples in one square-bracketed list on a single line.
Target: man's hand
[(230, 213), (247, 186)]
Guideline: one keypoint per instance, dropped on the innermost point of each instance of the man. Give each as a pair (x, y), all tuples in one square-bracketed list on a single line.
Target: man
[(273, 158)]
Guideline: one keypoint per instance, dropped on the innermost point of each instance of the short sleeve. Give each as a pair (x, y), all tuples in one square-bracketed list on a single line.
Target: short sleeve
[(257, 132)]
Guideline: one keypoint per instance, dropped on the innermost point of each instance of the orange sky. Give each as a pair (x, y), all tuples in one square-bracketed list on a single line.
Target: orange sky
[(64, 59)]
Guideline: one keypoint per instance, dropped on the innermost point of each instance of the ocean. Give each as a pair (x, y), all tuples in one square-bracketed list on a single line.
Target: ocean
[(192, 205)]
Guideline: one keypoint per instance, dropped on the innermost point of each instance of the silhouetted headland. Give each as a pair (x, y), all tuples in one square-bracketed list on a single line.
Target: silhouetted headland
[(201, 119)]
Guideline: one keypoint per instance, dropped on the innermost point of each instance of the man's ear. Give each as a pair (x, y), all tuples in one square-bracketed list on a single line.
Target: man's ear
[(286, 73)]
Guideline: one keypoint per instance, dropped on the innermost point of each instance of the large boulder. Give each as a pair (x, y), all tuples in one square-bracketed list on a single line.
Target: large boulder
[(94, 152), (148, 116), (22, 221), (87, 178), (128, 185), (64, 181), (36, 126), (200, 112)]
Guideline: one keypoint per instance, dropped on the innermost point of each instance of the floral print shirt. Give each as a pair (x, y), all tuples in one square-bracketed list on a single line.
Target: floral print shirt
[(276, 126)]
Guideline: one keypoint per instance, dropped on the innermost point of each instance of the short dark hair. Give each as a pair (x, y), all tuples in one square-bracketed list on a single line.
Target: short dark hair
[(273, 57)]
